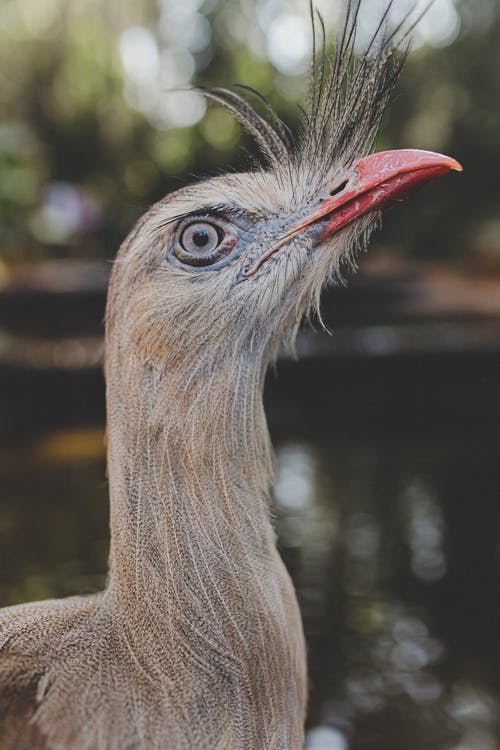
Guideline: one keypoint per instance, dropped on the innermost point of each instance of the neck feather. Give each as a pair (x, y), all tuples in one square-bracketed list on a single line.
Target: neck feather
[(189, 471), (197, 592)]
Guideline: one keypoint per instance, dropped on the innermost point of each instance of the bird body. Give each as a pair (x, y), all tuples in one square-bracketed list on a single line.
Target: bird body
[(196, 642), (198, 636)]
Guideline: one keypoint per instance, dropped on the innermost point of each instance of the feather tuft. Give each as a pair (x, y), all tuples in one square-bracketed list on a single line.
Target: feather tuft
[(348, 93)]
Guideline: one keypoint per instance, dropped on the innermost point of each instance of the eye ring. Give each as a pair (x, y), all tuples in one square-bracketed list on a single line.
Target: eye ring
[(203, 241)]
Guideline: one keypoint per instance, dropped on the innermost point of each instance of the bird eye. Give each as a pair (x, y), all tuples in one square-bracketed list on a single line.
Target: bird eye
[(203, 243), (200, 238)]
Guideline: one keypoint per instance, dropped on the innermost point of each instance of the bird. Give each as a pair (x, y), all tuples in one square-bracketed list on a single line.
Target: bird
[(196, 643)]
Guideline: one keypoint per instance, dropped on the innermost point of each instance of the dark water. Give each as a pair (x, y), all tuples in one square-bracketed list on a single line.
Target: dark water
[(387, 507)]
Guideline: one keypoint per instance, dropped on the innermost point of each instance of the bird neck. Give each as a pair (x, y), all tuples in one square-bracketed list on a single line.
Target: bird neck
[(197, 592), (189, 464)]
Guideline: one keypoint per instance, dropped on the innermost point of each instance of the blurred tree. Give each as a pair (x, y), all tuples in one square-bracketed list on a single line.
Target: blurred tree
[(94, 126)]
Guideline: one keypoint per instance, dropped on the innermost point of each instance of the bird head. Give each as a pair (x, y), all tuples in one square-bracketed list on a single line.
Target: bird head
[(222, 270)]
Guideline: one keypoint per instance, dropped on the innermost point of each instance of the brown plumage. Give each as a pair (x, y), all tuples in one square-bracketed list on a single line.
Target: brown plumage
[(196, 642)]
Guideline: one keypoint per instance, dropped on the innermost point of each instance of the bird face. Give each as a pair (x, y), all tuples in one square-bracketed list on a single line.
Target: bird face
[(224, 269), (236, 260), (368, 186)]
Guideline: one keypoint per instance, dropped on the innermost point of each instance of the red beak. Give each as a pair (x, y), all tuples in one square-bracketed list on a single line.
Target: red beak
[(379, 179), (376, 180)]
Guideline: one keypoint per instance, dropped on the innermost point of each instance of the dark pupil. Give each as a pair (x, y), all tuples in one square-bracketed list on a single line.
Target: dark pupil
[(200, 238)]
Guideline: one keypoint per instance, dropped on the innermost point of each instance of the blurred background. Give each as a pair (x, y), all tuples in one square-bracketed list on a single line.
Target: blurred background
[(386, 433)]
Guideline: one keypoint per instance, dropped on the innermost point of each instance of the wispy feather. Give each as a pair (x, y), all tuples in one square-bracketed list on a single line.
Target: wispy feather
[(347, 95)]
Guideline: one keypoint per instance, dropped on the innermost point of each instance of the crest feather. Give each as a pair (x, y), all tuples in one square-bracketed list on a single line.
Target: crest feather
[(348, 93)]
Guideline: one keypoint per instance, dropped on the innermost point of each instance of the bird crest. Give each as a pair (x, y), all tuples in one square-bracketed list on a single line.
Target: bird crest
[(347, 94)]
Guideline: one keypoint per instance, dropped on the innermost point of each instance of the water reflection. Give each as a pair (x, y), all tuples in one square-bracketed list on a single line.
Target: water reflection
[(376, 536), (366, 538)]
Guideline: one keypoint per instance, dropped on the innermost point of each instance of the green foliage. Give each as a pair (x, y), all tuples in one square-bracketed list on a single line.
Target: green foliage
[(71, 117)]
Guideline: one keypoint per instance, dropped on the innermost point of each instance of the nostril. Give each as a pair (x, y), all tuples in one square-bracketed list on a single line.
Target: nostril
[(339, 188)]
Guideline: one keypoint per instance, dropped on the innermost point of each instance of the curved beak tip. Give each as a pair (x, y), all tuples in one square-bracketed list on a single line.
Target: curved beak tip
[(383, 178)]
